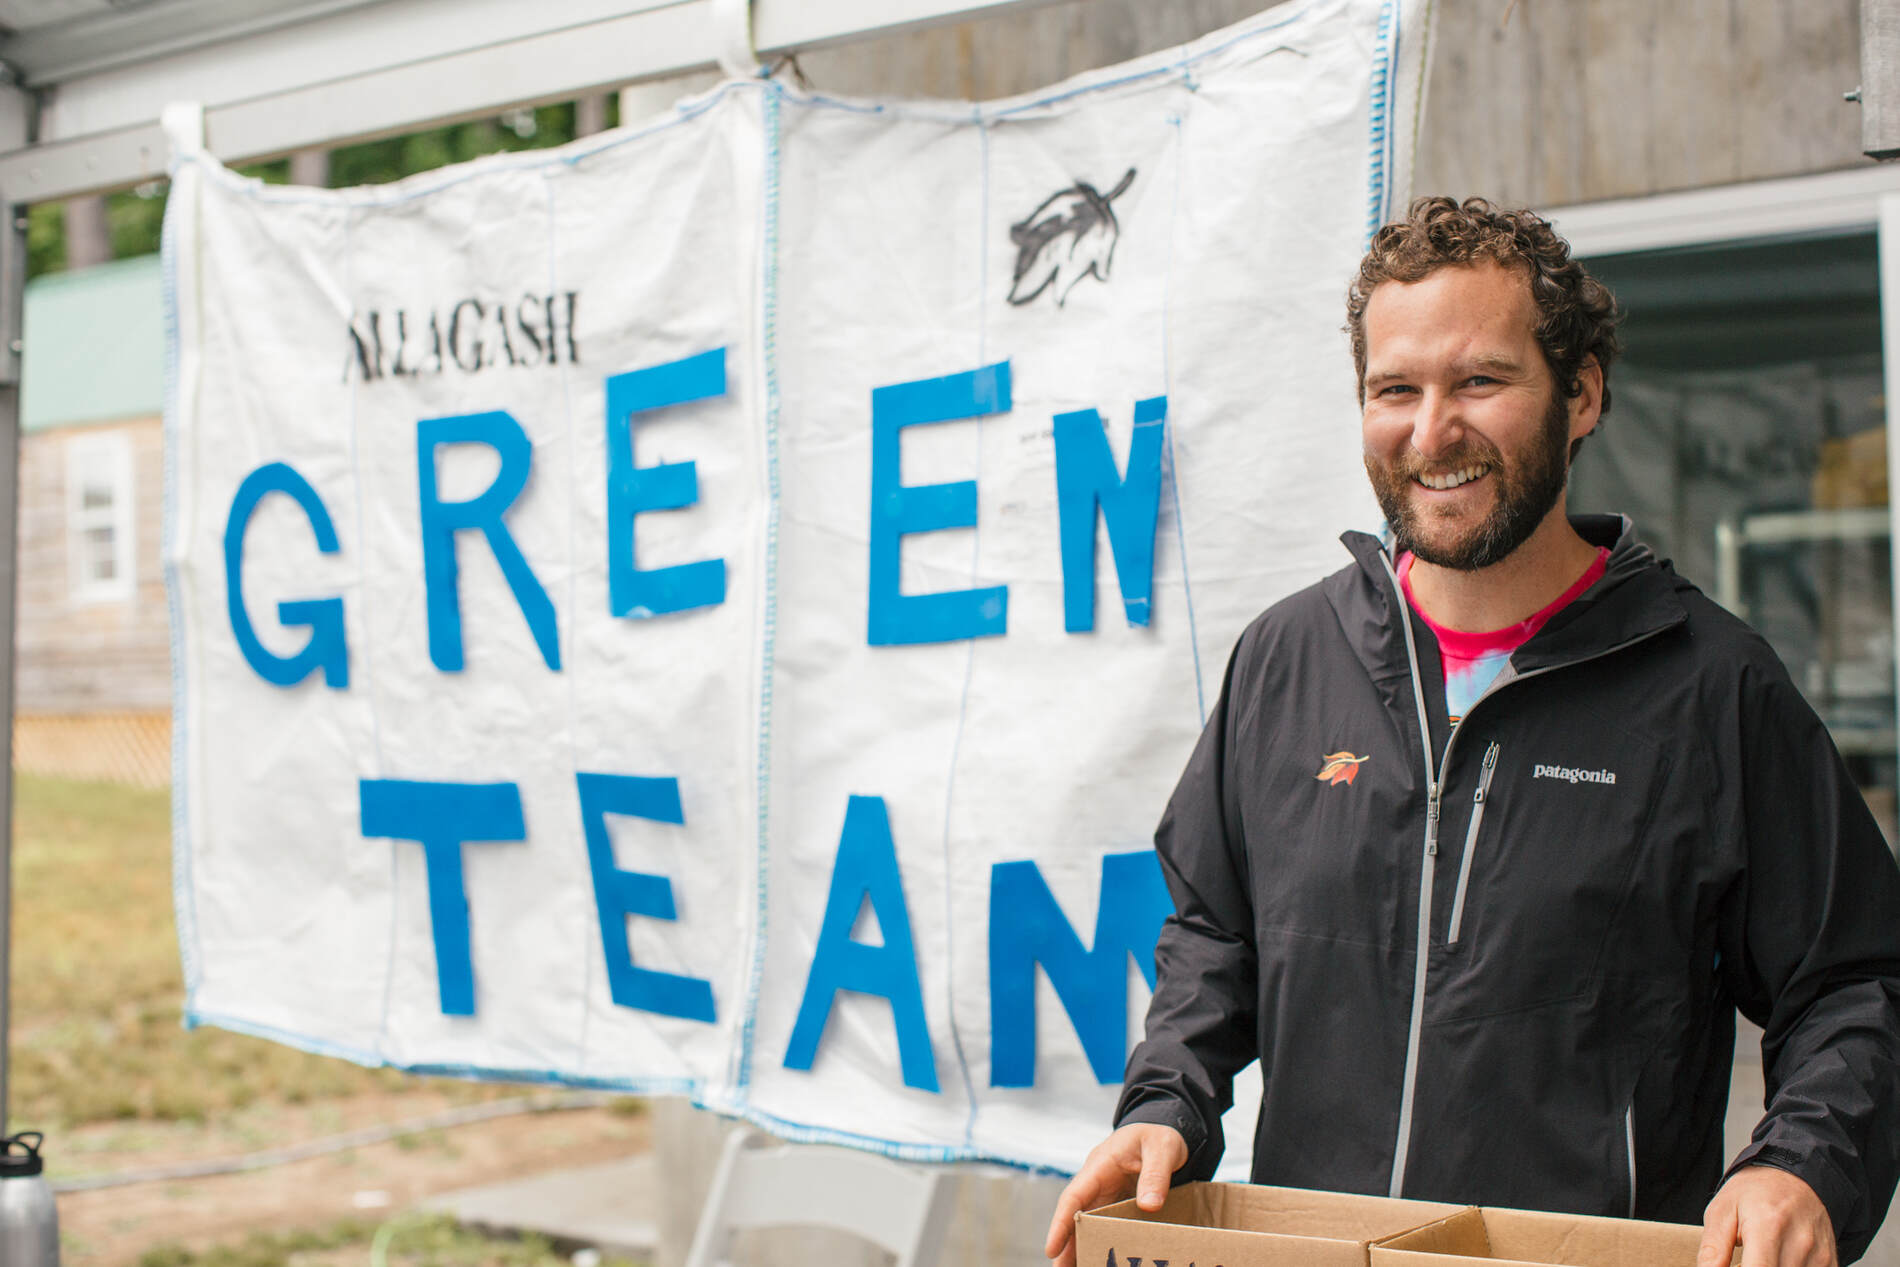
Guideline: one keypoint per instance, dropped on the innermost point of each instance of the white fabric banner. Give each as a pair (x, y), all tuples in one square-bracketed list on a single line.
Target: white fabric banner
[(718, 608)]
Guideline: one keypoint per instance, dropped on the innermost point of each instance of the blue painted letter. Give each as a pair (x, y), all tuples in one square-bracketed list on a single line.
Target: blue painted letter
[(1027, 928), (866, 870), (898, 509), (327, 648), (668, 486), (442, 520), (1086, 478), (618, 894), (442, 817)]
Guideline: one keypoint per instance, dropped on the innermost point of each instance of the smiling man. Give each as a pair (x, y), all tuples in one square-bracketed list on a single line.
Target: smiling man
[(1493, 831)]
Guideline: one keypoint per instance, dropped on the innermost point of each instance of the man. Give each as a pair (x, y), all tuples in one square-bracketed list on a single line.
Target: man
[(1492, 832)]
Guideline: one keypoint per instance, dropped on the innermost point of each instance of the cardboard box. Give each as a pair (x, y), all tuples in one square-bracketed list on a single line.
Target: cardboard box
[(1492, 1238), (1246, 1225)]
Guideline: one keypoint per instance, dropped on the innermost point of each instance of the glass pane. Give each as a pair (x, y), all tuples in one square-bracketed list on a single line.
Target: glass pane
[(95, 497), (1747, 440), (99, 561)]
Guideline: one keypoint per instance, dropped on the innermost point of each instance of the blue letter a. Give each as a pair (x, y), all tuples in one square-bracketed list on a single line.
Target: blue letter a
[(866, 870)]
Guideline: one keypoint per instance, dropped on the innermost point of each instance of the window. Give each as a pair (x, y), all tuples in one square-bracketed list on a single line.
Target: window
[(1747, 439), (99, 518)]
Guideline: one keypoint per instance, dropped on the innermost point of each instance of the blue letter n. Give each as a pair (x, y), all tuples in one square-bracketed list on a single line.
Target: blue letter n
[(1028, 928), (1085, 479)]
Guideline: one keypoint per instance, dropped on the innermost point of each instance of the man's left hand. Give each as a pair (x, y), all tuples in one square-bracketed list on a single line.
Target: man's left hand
[(1774, 1215)]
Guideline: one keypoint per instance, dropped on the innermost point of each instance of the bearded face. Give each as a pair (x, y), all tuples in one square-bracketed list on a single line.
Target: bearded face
[(1526, 484)]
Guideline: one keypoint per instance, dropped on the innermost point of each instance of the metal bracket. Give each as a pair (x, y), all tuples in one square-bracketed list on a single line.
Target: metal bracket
[(183, 123), (732, 23)]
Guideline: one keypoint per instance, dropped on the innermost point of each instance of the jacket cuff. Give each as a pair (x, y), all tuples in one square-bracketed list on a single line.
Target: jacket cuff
[(1836, 1193), (1165, 1110)]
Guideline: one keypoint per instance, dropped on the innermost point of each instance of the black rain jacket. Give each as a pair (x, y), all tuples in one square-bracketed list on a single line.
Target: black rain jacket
[(1502, 966)]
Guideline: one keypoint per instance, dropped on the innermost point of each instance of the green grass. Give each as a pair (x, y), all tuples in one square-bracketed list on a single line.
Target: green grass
[(407, 1241), (96, 985)]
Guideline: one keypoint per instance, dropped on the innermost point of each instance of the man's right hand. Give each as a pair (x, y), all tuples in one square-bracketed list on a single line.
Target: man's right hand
[(1140, 1157)]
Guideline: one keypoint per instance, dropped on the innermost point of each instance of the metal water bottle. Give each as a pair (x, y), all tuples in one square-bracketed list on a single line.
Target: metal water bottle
[(29, 1221)]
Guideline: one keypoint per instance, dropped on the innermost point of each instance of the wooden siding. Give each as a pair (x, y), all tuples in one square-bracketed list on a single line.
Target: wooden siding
[(1538, 102), (86, 657), (1565, 102)]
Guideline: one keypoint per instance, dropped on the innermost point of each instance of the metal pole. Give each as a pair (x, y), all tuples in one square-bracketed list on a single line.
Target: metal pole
[(22, 116), (12, 305)]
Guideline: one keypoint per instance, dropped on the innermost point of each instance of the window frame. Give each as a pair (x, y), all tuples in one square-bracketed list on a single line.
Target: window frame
[(1858, 199), (86, 457)]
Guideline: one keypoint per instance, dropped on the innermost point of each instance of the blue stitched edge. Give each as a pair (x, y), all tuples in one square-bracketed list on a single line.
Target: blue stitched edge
[(1378, 179), (480, 1073), (184, 895), (768, 347)]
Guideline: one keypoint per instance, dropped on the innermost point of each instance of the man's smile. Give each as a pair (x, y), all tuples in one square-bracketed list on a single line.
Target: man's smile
[(1452, 479)]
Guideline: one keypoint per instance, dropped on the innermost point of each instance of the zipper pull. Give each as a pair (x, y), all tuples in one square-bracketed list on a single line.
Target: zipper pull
[(1432, 810), (1484, 777)]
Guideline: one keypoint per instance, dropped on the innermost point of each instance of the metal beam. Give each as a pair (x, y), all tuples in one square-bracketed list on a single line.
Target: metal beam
[(397, 67)]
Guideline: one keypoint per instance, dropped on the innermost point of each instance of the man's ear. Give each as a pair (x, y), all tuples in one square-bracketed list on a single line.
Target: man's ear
[(1587, 405)]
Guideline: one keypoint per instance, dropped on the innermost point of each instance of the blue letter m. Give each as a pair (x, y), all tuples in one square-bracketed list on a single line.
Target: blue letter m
[(1027, 928)]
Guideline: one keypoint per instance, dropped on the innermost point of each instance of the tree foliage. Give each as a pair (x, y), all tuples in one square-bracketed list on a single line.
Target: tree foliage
[(135, 217)]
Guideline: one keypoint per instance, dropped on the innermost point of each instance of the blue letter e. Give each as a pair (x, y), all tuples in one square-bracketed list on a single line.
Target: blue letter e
[(667, 486), (618, 894), (326, 648), (898, 509)]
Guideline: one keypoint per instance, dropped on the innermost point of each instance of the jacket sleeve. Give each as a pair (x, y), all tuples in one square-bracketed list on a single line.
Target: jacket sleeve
[(1200, 1029), (1810, 946)]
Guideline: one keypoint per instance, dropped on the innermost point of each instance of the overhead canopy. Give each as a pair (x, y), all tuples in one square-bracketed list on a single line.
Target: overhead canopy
[(281, 75)]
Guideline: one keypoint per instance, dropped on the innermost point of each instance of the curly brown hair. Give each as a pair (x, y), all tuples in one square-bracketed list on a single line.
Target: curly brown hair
[(1576, 314)]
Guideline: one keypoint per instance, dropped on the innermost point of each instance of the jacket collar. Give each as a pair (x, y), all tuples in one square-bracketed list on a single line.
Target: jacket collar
[(1635, 598)]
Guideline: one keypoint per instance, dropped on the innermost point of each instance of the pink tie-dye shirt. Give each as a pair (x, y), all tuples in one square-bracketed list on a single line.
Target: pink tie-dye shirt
[(1472, 660)]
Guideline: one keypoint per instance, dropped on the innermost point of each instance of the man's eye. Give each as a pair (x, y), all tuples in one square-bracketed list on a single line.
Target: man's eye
[(1394, 389), (1481, 380)]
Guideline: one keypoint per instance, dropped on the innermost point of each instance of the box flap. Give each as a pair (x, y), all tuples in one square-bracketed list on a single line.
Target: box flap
[(1529, 1238), (1210, 1224)]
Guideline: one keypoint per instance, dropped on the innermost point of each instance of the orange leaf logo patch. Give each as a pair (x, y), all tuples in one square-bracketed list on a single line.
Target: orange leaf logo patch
[(1339, 767)]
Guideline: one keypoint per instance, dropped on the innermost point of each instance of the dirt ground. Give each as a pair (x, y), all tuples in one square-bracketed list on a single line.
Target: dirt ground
[(115, 1226)]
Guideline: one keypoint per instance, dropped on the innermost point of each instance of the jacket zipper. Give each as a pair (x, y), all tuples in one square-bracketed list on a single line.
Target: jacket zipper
[(1471, 842), (1425, 872), (1629, 1145), (1434, 782)]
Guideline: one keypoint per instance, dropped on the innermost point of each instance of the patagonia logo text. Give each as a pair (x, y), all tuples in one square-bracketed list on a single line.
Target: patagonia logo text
[(1570, 774)]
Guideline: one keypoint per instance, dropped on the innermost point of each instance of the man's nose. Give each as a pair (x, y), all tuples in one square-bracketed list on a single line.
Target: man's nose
[(1437, 426)]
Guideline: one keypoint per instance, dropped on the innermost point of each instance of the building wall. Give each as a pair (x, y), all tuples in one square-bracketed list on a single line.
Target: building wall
[(1552, 102), (1539, 102), (92, 677)]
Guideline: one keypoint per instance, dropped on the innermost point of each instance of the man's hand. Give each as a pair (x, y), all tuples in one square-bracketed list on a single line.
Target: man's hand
[(1141, 1156), (1776, 1217)]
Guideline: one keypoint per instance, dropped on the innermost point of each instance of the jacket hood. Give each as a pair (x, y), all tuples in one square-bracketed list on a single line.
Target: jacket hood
[(1634, 598)]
